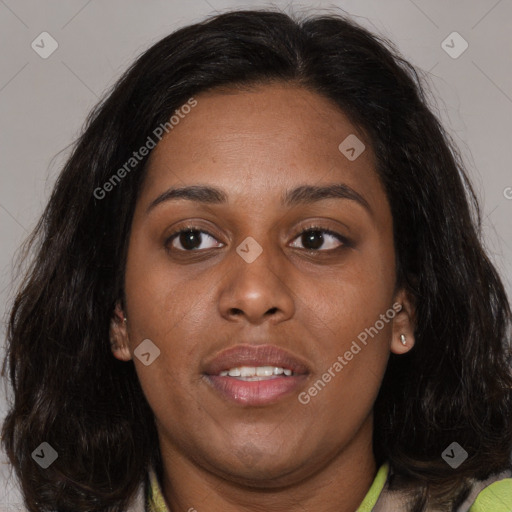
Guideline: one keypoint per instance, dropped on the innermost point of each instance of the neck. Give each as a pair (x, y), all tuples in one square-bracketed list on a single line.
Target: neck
[(338, 486)]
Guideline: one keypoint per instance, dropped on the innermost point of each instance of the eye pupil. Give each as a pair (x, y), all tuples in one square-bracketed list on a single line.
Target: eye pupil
[(190, 239), (313, 237)]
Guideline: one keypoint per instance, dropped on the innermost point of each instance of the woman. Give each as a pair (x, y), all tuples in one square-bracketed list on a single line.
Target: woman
[(339, 343)]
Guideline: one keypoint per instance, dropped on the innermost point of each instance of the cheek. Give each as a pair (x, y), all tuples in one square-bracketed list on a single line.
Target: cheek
[(351, 297), (155, 306), (351, 361), (157, 294), (344, 309)]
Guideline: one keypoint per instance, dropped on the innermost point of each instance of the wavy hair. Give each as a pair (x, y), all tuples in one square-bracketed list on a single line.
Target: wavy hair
[(68, 389)]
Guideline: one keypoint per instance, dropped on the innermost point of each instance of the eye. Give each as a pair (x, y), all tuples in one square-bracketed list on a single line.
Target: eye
[(313, 237), (189, 238)]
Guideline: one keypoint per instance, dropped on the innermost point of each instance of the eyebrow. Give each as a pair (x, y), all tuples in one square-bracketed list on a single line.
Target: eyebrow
[(301, 195)]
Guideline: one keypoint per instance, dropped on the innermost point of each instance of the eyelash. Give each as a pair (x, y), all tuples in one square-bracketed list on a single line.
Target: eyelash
[(341, 238)]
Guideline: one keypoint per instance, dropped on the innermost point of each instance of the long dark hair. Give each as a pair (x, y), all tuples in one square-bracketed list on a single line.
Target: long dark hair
[(69, 391)]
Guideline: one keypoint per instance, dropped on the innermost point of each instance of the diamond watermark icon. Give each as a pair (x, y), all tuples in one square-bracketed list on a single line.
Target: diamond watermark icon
[(454, 45), (44, 45), (351, 147), (45, 455), (147, 352), (249, 249), (454, 455)]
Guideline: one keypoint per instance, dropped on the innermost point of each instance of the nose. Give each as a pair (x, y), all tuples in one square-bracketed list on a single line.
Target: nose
[(255, 286)]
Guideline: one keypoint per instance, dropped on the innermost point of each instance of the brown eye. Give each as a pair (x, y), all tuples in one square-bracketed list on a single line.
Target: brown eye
[(313, 238), (189, 239)]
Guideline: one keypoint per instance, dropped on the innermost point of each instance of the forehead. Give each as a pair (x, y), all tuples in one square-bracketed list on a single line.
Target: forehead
[(257, 143)]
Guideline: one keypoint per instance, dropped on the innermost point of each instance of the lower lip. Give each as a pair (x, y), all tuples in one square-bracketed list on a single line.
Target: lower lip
[(260, 392)]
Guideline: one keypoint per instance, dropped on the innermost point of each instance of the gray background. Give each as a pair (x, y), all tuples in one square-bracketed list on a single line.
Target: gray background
[(44, 102)]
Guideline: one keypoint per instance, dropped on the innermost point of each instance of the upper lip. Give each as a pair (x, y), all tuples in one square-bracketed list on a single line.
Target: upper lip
[(254, 355)]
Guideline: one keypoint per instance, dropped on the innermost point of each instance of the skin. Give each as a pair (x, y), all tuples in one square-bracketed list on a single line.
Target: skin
[(219, 455)]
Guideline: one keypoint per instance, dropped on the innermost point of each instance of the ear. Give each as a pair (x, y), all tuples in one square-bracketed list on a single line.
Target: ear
[(119, 335), (404, 323)]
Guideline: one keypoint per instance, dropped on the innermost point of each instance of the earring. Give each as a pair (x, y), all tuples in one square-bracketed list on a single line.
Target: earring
[(402, 339), (125, 319)]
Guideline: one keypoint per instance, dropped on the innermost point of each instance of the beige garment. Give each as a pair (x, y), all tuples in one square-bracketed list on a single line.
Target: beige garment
[(138, 503)]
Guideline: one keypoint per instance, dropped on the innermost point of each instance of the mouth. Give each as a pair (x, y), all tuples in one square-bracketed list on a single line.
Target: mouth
[(255, 375)]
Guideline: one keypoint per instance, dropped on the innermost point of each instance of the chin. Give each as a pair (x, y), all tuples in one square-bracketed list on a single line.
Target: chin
[(254, 469)]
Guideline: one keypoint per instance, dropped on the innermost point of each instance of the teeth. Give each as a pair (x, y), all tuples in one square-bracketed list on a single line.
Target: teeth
[(259, 371), (247, 371)]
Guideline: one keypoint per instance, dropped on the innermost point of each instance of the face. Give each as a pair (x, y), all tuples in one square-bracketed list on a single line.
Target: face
[(309, 277)]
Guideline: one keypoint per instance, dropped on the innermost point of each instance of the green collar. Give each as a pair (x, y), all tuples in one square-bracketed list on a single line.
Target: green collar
[(373, 493)]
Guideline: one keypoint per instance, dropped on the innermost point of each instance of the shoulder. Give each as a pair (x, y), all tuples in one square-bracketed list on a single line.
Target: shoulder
[(491, 495)]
